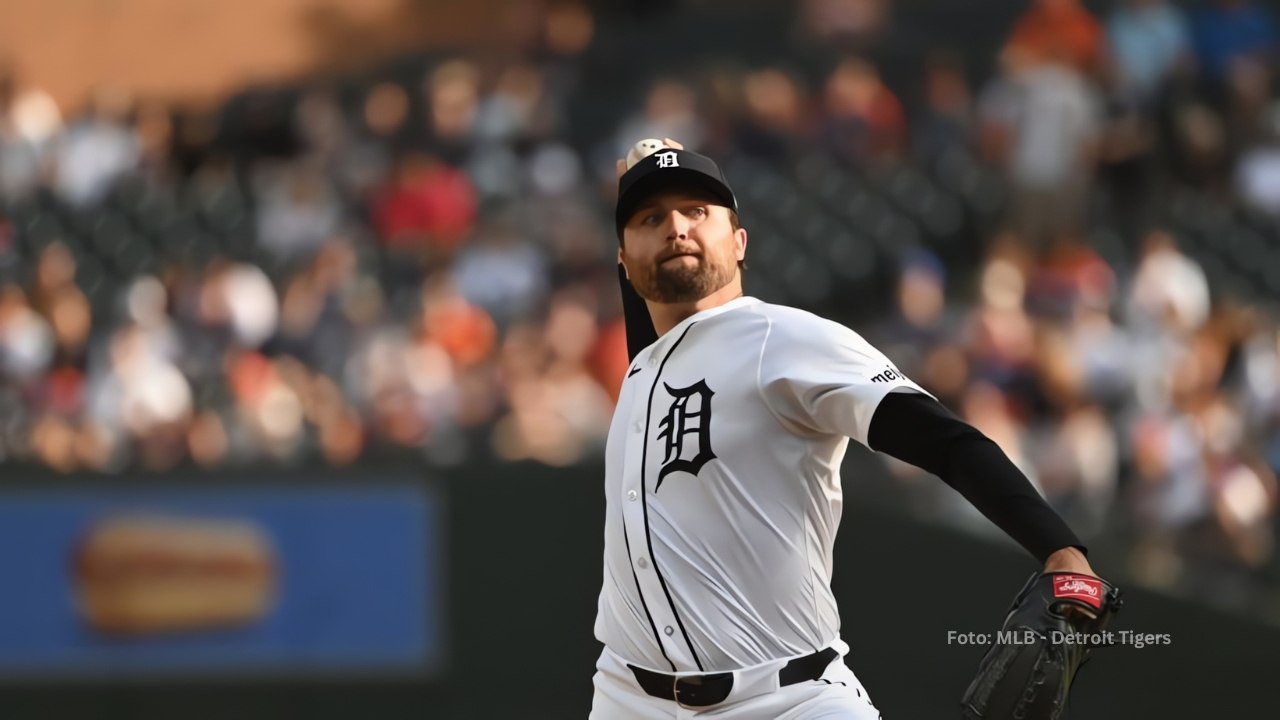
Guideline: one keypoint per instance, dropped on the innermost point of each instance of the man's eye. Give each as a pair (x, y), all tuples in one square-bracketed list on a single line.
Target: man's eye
[(699, 212), (652, 219)]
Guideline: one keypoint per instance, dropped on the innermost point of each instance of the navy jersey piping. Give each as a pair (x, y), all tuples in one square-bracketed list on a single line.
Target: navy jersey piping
[(644, 459)]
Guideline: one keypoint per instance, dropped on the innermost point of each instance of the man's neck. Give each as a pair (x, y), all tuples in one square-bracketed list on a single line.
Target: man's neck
[(666, 316)]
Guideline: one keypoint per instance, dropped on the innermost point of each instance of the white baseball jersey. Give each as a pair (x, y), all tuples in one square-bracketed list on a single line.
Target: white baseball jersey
[(722, 476)]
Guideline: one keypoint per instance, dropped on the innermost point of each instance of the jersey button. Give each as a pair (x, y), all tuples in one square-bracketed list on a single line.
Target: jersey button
[(643, 563), (668, 630), (637, 426), (632, 495)]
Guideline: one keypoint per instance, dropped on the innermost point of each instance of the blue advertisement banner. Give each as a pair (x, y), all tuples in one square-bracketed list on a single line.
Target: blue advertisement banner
[(290, 580)]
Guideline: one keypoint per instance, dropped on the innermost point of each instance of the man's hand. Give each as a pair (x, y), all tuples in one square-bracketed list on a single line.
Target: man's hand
[(1069, 559)]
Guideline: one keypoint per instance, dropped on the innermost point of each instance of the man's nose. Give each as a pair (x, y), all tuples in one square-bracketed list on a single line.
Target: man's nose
[(677, 225)]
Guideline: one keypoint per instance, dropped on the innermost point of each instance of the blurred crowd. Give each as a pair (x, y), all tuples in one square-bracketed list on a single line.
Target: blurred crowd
[(1071, 238)]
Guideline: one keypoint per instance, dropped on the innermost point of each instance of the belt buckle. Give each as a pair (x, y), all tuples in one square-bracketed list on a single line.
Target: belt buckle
[(699, 683), (675, 693)]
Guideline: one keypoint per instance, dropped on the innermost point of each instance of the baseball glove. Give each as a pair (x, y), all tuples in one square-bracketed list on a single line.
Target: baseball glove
[(1056, 619)]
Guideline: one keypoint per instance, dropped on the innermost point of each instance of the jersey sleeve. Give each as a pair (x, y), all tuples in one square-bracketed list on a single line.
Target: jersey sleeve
[(820, 376)]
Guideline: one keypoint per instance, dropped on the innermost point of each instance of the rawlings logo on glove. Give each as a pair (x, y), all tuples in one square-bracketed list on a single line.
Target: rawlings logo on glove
[(1079, 587)]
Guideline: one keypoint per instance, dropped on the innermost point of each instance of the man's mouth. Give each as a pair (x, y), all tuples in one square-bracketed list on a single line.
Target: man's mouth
[(678, 255)]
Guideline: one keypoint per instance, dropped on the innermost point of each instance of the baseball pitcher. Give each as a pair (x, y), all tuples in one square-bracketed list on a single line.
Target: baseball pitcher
[(723, 485)]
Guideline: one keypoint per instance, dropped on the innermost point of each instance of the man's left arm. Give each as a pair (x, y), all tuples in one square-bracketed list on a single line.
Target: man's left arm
[(1067, 600), (919, 430)]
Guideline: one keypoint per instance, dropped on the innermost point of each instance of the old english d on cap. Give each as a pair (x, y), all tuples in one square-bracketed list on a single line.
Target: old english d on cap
[(667, 169)]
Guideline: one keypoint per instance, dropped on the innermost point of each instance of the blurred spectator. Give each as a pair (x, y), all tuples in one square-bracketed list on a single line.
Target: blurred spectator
[(608, 360), (70, 318), (501, 272), (426, 206), (1257, 172), (988, 409), (999, 334), (1129, 159), (399, 378), (1227, 31), (26, 340), (776, 114), (515, 109), (1169, 290), (569, 34), (1244, 489), (363, 159), (21, 164), (321, 126), (95, 150), (864, 119), (55, 271), (141, 392), (1078, 458), (386, 109), (946, 120), (1148, 40), (153, 127), (1170, 493), (515, 113), (325, 306), (340, 148), (1058, 31), (267, 404), (568, 31), (517, 27), (1249, 106), (1069, 277), (1103, 351), (920, 326), (297, 210), (29, 118), (670, 111), (1199, 139), (465, 332), (453, 96), (26, 112), (1259, 371), (557, 410), (846, 25), (146, 308), (238, 301), (1041, 120), (554, 171)]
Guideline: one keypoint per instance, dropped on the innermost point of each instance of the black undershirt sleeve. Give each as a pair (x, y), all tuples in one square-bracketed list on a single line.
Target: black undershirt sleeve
[(640, 332), (919, 430)]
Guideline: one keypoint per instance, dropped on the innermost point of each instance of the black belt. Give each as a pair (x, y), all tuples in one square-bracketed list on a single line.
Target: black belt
[(704, 690)]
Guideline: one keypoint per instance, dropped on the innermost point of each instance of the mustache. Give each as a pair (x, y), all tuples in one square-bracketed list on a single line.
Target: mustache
[(676, 252)]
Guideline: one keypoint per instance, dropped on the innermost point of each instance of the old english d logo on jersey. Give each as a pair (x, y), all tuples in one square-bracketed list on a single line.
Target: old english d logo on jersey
[(687, 431)]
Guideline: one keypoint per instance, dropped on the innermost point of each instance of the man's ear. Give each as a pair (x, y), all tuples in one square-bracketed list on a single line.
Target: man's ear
[(741, 237), (623, 264)]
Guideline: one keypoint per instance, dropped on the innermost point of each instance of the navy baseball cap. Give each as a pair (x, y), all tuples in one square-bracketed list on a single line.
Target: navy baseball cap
[(668, 169)]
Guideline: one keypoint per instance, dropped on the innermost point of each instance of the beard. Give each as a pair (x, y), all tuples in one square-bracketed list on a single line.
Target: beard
[(679, 282)]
